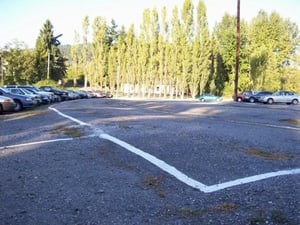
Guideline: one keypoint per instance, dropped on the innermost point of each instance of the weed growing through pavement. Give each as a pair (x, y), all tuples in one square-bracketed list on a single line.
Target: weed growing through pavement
[(269, 155), (188, 212), (155, 183), (123, 126), (73, 132), (277, 217), (225, 207), (295, 121)]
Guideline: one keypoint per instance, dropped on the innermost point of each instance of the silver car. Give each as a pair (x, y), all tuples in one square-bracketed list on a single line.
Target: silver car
[(6, 104), (288, 97)]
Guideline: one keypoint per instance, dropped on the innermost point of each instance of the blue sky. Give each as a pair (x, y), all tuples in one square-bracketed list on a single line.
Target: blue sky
[(22, 19)]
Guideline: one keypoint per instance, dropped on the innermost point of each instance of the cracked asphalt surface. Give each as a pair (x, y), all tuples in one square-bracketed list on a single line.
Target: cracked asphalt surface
[(83, 179)]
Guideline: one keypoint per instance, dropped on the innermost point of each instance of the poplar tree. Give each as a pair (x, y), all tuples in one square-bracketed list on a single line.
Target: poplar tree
[(162, 54), (99, 53), (186, 45), (131, 60), (144, 47), (112, 69), (85, 50), (75, 59), (121, 61), (176, 52), (201, 53)]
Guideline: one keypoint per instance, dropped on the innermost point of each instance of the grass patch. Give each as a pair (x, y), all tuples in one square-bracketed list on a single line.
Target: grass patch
[(269, 155), (194, 212), (279, 217), (190, 212), (276, 217), (123, 126), (73, 132), (225, 207), (295, 121)]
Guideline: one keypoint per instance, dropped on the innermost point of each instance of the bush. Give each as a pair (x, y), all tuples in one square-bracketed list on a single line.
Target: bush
[(47, 83)]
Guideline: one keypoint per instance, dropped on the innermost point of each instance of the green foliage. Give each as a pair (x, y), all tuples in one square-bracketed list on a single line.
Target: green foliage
[(50, 63), (167, 56), (47, 83), (19, 64)]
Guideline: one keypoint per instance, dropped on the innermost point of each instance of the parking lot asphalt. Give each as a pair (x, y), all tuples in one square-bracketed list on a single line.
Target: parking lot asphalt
[(117, 161)]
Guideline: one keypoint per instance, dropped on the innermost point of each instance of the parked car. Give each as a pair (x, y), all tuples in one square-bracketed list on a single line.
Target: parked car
[(6, 104), (73, 95), (288, 97), (46, 97), (83, 94), (209, 98), (98, 94), (21, 91), (63, 95), (242, 95), (257, 96), (22, 101)]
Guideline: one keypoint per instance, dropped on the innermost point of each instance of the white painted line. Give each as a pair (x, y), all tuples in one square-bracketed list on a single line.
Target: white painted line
[(159, 163), (264, 125), (251, 179), (176, 173), (69, 117), (36, 143)]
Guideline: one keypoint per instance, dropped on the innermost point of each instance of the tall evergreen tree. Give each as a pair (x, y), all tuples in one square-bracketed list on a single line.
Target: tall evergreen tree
[(46, 47)]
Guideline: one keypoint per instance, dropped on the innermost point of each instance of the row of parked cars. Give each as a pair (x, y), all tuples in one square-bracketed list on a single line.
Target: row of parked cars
[(268, 97), (18, 97)]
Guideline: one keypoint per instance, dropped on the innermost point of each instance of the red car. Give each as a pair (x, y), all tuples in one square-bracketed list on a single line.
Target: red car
[(242, 95)]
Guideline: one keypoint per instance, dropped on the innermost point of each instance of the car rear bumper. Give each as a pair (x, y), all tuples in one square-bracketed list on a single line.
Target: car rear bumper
[(8, 107)]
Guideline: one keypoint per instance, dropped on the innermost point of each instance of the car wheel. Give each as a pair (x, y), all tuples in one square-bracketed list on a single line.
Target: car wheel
[(1, 109), (239, 99), (252, 100), (59, 98), (18, 106), (202, 100), (270, 101), (295, 102)]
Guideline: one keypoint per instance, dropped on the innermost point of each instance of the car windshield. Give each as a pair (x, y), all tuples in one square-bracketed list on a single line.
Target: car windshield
[(276, 93), (26, 91), (5, 90)]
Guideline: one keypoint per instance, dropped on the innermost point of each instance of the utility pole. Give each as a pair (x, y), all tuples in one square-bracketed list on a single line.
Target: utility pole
[(237, 57)]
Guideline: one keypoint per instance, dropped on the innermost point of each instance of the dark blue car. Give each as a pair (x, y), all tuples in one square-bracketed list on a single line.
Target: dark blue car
[(257, 96), (22, 101)]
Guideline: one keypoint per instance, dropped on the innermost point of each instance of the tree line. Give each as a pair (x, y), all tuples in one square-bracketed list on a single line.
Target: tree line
[(169, 55)]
